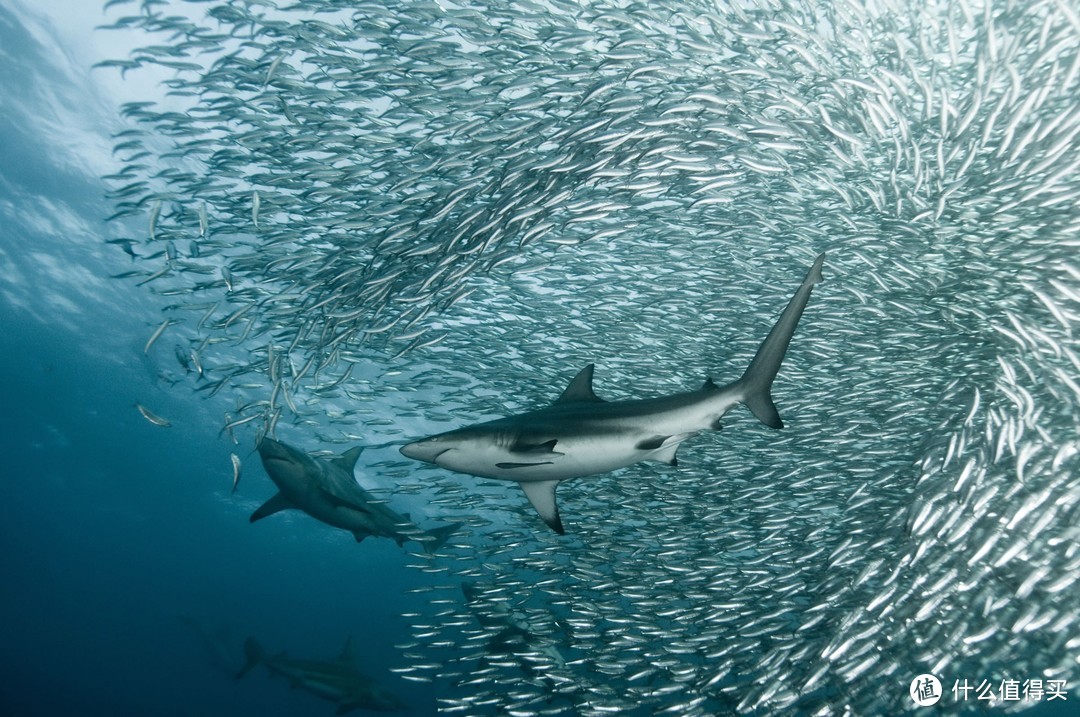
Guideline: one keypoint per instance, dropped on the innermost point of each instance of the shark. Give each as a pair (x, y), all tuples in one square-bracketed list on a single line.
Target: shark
[(509, 631), (581, 434), (337, 680), (327, 491)]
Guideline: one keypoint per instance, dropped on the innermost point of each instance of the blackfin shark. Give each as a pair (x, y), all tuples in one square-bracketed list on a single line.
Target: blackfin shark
[(339, 680), (327, 491), (581, 434)]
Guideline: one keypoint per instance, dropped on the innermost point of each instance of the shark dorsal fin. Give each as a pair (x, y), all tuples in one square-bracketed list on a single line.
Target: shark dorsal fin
[(347, 460), (580, 389), (346, 651)]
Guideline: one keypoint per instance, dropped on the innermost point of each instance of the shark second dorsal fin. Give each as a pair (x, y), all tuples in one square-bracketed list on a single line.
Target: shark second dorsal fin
[(580, 389), (347, 460), (542, 496), (709, 385), (275, 505)]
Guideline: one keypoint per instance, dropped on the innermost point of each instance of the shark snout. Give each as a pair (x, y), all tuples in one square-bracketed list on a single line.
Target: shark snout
[(270, 449), (426, 450)]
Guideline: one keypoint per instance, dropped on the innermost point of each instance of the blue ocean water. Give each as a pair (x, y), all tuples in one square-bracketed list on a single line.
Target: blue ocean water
[(127, 563)]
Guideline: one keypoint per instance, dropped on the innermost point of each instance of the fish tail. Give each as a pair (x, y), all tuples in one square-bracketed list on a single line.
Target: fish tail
[(757, 382)]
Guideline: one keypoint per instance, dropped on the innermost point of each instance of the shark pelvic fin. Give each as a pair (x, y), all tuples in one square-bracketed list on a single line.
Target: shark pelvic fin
[(347, 460), (580, 389), (666, 455), (275, 505), (542, 496), (664, 447), (522, 465)]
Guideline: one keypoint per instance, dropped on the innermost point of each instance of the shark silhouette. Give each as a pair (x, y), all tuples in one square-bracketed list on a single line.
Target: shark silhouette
[(338, 680), (327, 491)]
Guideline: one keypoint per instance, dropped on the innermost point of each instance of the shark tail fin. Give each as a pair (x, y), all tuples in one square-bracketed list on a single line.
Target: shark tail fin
[(437, 537), (253, 654), (757, 382)]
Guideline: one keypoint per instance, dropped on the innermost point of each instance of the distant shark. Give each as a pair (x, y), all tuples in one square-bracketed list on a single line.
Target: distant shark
[(327, 491), (581, 434), (336, 680), (510, 633)]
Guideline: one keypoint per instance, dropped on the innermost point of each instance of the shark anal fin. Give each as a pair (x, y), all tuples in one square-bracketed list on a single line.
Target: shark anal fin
[(522, 465), (360, 535), (542, 496), (580, 389), (545, 447), (275, 505)]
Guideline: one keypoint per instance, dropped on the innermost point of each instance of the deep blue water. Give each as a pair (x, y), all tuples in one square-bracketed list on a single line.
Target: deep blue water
[(118, 536), (115, 530)]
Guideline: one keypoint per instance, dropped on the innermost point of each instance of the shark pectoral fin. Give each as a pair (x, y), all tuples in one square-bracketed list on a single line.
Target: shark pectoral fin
[(580, 389), (545, 447), (522, 465), (275, 505), (542, 496)]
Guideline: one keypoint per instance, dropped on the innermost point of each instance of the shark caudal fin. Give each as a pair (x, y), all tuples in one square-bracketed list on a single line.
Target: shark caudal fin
[(253, 654), (758, 379)]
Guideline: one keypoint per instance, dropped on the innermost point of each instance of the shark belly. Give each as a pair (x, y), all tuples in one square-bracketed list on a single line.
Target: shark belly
[(319, 506), (577, 441)]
